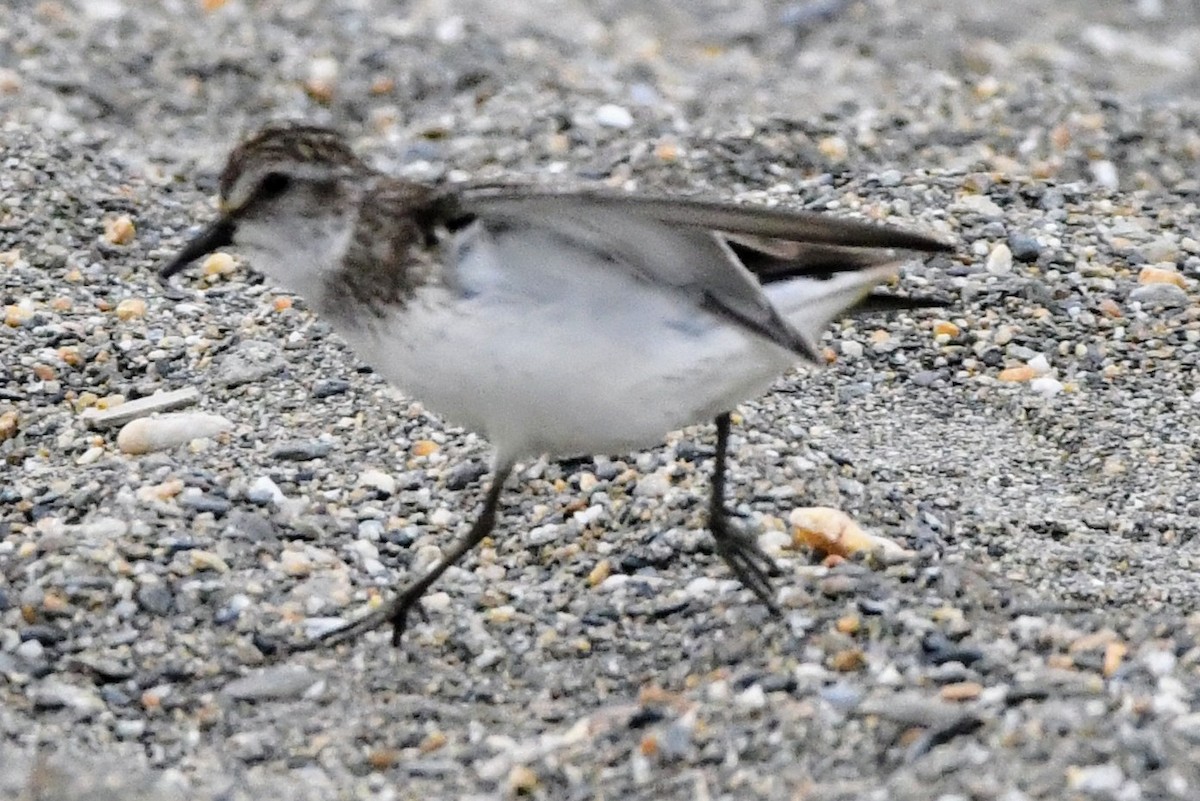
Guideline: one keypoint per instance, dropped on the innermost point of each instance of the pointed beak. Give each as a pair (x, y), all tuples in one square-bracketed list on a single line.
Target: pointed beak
[(217, 235)]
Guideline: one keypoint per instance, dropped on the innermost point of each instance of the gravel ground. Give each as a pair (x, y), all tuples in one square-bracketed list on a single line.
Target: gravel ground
[(1031, 446)]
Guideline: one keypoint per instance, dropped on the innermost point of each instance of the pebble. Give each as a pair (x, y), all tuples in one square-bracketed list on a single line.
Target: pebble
[(207, 560), (295, 563), (131, 309), (981, 205), (264, 491), (1097, 781), (273, 684), (1159, 296), (1024, 248), (1104, 172), (1046, 386), (654, 485), (1000, 260), (610, 115), (377, 480), (165, 431), (301, 450), (155, 598), (1164, 274), (54, 694), (328, 387), (251, 361)]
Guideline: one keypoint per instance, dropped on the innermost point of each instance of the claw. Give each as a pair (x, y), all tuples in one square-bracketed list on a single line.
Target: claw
[(747, 560)]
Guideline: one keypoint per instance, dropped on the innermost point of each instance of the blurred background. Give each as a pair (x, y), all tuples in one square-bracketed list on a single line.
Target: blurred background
[(411, 76)]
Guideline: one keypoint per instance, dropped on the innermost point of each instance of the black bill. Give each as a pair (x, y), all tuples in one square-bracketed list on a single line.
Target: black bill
[(217, 235)]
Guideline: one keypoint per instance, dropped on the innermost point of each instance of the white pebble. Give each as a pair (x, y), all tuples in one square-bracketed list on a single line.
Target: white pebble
[(701, 587), (149, 434), (1040, 364), (611, 115), (589, 515), (436, 602), (1046, 386), (753, 697), (654, 485), (1000, 260), (377, 480), (851, 349), (441, 517), (1104, 172), (264, 491)]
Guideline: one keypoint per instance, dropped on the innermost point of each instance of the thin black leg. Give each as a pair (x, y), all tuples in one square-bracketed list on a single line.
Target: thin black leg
[(739, 549), (396, 610)]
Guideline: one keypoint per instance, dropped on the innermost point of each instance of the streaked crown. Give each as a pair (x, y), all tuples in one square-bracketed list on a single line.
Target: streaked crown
[(288, 148)]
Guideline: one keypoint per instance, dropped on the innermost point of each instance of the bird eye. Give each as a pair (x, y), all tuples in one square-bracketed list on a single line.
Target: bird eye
[(273, 185)]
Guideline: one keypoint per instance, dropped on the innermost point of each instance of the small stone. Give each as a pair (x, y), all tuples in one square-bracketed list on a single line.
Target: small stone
[(851, 349), (205, 502), (8, 425), (889, 178), (273, 684), (463, 475), (1104, 172), (752, 698), (654, 485), (252, 361), (54, 694), (1162, 275), (834, 148), (131, 309), (982, 205), (522, 780), (217, 264), (599, 573), (322, 79), (129, 729), (1024, 248), (613, 116), (1018, 374), (432, 742), (295, 563), (500, 614), (961, 691), (848, 660), (945, 328), (1000, 260), (301, 451), (424, 447), (328, 387), (1098, 781), (1040, 364), (155, 598), (377, 480), (264, 491), (207, 560), (1046, 386), (1159, 295), (18, 315), (119, 231), (1114, 655), (149, 434)]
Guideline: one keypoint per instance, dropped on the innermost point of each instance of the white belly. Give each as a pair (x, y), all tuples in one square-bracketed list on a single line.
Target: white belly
[(585, 359)]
